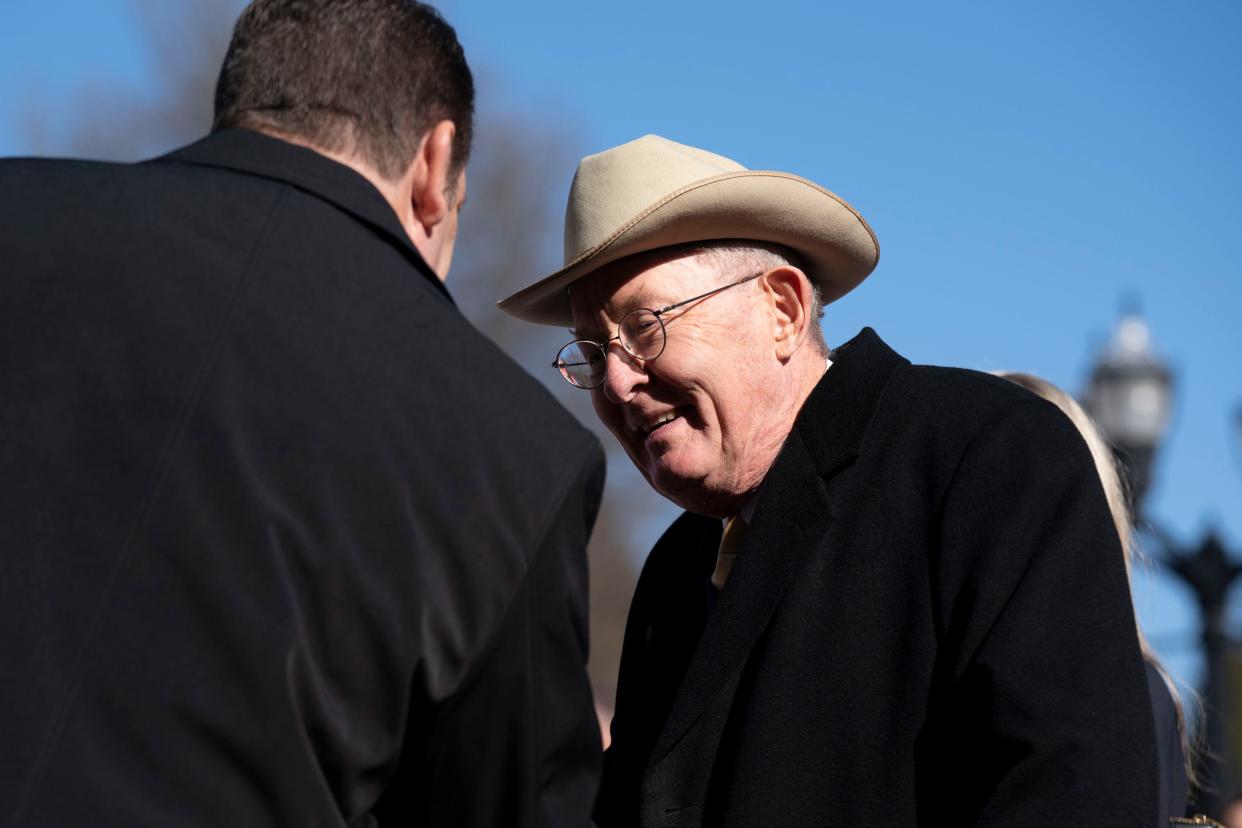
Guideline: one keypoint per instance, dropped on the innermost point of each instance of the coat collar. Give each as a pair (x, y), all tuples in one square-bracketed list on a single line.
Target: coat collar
[(793, 517), (836, 415), (253, 153)]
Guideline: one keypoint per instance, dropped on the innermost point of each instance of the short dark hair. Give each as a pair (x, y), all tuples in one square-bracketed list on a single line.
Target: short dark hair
[(363, 77)]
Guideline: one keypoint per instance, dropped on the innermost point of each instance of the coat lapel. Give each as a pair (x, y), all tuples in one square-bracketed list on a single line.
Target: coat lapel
[(774, 549), (791, 523)]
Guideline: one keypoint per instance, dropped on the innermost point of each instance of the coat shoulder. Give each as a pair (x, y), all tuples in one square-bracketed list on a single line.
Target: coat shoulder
[(970, 388), (931, 419), (965, 402), (83, 184)]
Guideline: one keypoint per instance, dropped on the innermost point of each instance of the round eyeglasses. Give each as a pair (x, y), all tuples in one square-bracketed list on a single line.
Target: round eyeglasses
[(584, 363)]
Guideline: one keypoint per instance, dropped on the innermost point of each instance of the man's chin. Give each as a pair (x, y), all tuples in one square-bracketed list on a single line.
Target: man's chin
[(674, 477), (684, 490)]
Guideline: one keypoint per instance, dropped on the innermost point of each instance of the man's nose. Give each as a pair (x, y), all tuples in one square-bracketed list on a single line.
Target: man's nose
[(623, 372)]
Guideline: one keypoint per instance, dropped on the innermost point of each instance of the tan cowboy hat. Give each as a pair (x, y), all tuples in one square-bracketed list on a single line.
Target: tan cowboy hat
[(654, 192)]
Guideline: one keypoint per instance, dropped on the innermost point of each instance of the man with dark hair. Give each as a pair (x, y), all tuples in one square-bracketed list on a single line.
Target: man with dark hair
[(366, 79), (268, 554)]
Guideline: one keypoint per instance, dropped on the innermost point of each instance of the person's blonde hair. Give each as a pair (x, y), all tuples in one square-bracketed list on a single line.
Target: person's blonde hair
[(1118, 505)]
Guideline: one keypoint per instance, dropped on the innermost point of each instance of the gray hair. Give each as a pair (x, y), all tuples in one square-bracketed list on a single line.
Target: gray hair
[(741, 257)]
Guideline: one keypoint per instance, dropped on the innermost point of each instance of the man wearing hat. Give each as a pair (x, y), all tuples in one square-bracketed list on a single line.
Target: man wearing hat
[(895, 596)]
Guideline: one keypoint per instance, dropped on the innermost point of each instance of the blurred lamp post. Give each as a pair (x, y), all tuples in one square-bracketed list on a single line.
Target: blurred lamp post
[(1130, 399)]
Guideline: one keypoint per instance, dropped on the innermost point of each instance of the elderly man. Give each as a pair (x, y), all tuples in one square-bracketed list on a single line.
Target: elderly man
[(915, 612), (270, 553)]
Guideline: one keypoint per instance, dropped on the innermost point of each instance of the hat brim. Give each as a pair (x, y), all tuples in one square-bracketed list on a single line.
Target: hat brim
[(836, 244)]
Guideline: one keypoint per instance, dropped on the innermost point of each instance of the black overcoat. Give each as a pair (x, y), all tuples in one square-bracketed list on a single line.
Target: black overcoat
[(928, 623), (284, 540)]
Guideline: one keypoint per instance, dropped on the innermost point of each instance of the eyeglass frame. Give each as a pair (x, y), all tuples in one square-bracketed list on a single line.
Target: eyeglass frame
[(658, 314)]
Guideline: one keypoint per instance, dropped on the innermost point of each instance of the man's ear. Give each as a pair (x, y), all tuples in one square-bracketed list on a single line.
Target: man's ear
[(789, 298), (430, 183)]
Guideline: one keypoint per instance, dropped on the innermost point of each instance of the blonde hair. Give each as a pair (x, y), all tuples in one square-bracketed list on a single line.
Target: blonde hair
[(1118, 505)]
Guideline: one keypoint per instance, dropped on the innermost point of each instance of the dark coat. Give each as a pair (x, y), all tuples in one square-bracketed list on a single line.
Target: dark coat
[(1173, 792), (284, 540), (928, 623)]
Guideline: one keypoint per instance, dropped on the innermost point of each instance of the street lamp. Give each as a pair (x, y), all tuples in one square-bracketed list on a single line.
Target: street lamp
[(1130, 399)]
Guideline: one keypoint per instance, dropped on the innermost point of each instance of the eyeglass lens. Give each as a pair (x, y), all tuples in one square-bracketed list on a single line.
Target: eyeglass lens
[(584, 363), (642, 333)]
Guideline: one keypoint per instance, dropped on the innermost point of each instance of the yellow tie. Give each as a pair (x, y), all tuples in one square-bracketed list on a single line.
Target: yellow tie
[(730, 541)]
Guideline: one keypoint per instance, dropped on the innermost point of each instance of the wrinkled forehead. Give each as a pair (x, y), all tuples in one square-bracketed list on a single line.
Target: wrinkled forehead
[(651, 280)]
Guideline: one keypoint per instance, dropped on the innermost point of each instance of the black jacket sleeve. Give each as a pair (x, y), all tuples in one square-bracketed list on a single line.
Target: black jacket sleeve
[(518, 744), (1049, 717)]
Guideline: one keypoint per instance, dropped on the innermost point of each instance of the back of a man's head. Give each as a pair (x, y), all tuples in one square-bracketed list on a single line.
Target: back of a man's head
[(365, 78)]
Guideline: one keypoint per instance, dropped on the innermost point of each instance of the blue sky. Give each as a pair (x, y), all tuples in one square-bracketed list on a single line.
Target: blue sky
[(1025, 166)]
